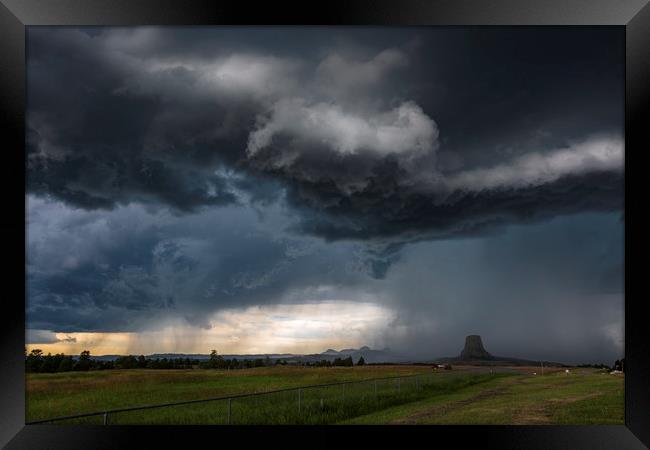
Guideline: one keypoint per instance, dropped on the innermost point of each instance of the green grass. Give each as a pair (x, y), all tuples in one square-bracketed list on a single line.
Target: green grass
[(582, 397), (390, 415), (448, 397), (70, 393)]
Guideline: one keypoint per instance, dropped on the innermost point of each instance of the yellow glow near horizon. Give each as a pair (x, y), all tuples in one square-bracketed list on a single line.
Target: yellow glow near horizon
[(97, 343), (297, 328)]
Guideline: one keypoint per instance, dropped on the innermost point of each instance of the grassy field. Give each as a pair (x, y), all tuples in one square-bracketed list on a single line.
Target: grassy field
[(445, 397), (582, 397)]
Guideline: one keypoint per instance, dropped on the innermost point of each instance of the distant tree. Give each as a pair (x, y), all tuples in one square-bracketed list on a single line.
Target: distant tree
[(51, 362), (619, 365), (347, 362), (103, 365), (66, 364), (34, 360), (361, 362), (84, 363), (126, 362), (214, 362)]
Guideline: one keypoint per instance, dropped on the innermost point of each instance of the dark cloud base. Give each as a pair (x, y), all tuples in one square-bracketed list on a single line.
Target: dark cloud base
[(94, 142), (383, 212)]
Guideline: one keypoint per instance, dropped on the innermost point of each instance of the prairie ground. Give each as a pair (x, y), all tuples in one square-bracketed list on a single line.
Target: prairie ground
[(464, 395)]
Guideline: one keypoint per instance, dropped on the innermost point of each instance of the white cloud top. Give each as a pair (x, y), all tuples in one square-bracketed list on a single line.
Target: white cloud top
[(404, 129), (595, 154), (328, 108)]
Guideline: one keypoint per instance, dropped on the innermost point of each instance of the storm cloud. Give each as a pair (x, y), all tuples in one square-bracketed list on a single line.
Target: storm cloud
[(172, 172), (154, 124)]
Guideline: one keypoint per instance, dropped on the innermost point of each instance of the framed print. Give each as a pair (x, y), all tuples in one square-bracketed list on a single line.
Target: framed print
[(273, 220)]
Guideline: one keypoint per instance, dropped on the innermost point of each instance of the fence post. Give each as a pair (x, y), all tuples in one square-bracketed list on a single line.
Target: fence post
[(230, 420)]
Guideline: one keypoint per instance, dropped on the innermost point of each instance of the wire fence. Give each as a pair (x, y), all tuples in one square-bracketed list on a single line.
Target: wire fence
[(313, 404)]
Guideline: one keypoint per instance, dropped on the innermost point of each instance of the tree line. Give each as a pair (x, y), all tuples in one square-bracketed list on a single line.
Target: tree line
[(338, 362), (619, 365), (37, 362)]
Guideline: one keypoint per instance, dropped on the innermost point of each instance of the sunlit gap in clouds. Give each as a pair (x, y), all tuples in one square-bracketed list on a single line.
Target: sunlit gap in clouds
[(283, 328)]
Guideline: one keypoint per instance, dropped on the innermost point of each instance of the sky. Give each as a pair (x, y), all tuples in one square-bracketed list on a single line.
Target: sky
[(270, 190)]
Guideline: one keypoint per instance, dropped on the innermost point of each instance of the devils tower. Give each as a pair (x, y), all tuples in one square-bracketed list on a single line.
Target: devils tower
[(474, 354), (474, 349)]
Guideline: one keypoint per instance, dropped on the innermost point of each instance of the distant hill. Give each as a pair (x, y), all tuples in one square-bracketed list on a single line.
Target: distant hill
[(199, 356), (207, 356), (369, 355), (100, 357)]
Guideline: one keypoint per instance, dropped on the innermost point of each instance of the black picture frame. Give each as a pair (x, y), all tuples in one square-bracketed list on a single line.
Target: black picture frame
[(633, 15)]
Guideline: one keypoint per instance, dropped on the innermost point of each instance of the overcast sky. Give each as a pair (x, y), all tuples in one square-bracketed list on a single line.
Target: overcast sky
[(293, 189)]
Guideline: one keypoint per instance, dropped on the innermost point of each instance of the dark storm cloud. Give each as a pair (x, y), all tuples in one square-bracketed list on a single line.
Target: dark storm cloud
[(374, 134), (176, 172), (382, 211), (94, 147), (557, 286), (128, 269)]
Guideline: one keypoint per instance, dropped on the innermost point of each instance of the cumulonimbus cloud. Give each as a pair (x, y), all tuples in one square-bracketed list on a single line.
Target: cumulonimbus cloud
[(405, 129), (352, 148), (176, 130)]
